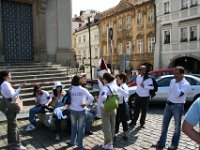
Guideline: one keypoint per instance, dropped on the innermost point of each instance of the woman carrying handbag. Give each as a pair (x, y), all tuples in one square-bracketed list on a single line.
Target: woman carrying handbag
[(6, 106)]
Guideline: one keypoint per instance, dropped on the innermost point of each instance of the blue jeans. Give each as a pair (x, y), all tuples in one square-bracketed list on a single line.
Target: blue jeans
[(89, 119), (33, 111), (77, 127), (175, 110)]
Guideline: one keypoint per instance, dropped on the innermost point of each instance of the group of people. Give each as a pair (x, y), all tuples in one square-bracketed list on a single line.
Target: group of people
[(81, 114)]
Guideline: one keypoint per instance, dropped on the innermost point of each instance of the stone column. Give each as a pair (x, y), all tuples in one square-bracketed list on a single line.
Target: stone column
[(59, 32), (64, 53)]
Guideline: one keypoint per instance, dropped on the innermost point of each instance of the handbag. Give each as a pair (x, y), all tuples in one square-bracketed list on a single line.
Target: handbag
[(16, 104), (112, 102)]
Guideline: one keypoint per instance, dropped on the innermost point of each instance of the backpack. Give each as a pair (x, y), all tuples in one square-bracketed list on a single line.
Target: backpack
[(67, 98), (153, 91)]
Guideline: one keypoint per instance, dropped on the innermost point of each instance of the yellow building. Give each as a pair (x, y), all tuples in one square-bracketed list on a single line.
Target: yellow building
[(133, 25)]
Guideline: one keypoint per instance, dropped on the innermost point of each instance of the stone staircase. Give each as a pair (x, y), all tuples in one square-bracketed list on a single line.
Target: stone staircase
[(36, 73)]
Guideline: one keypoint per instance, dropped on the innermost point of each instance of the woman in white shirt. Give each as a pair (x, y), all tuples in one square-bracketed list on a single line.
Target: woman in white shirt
[(122, 110), (9, 94), (58, 104), (109, 117), (80, 97)]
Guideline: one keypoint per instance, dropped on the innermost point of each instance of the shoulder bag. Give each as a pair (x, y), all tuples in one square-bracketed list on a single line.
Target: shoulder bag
[(111, 102)]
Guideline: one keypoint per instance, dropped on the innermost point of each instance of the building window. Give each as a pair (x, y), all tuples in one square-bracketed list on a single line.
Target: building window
[(184, 4), (96, 36), (96, 53), (151, 44), (184, 34), (110, 24), (120, 24), (104, 50), (139, 19), (167, 37), (84, 53), (119, 47), (104, 28), (84, 39), (151, 16), (193, 33), (140, 45), (166, 8), (128, 22), (79, 40), (128, 47), (194, 3)]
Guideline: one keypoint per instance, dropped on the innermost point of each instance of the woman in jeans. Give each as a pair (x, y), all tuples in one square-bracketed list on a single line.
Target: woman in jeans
[(79, 95), (9, 94), (109, 117)]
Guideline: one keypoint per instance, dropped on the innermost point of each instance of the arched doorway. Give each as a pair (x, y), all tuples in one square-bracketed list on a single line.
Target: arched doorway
[(189, 63)]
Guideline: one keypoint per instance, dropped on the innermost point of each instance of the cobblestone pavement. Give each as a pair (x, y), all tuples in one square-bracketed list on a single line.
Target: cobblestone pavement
[(139, 138)]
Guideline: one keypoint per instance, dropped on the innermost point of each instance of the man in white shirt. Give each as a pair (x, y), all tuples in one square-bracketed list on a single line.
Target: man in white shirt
[(144, 85), (178, 90)]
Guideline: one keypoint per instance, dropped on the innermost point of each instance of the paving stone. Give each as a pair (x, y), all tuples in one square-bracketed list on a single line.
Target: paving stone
[(139, 139)]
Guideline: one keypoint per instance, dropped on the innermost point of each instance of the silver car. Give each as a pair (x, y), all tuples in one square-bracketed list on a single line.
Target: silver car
[(163, 88)]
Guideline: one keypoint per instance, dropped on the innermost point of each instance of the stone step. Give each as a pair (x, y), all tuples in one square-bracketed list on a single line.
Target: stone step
[(39, 80), (60, 74)]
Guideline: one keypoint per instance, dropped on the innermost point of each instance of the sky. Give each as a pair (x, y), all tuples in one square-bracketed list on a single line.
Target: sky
[(99, 5)]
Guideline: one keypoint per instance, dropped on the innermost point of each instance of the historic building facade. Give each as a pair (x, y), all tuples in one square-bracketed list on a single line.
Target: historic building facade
[(178, 34), (36, 30), (132, 24), (82, 46)]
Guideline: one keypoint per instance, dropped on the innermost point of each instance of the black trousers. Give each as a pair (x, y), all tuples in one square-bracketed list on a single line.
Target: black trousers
[(141, 105), (58, 122), (122, 116)]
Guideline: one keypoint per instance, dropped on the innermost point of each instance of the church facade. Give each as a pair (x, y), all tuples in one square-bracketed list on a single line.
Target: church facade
[(36, 31)]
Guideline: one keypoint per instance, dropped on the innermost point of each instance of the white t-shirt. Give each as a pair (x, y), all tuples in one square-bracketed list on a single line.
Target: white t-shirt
[(7, 91), (80, 95), (44, 98), (148, 85)]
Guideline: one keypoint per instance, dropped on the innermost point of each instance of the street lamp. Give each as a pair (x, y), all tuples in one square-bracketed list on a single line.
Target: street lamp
[(111, 48), (90, 48)]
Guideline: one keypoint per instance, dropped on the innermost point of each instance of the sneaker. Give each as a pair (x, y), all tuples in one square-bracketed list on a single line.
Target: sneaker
[(20, 147), (108, 146), (30, 127), (88, 133), (172, 147), (156, 145)]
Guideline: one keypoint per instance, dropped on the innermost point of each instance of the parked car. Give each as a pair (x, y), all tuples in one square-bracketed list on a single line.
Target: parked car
[(163, 88), (155, 74)]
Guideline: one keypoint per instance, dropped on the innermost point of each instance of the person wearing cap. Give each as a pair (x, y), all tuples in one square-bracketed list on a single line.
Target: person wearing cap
[(60, 109), (42, 100)]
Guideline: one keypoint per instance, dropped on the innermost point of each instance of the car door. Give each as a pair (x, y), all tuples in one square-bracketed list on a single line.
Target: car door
[(195, 88), (163, 88)]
